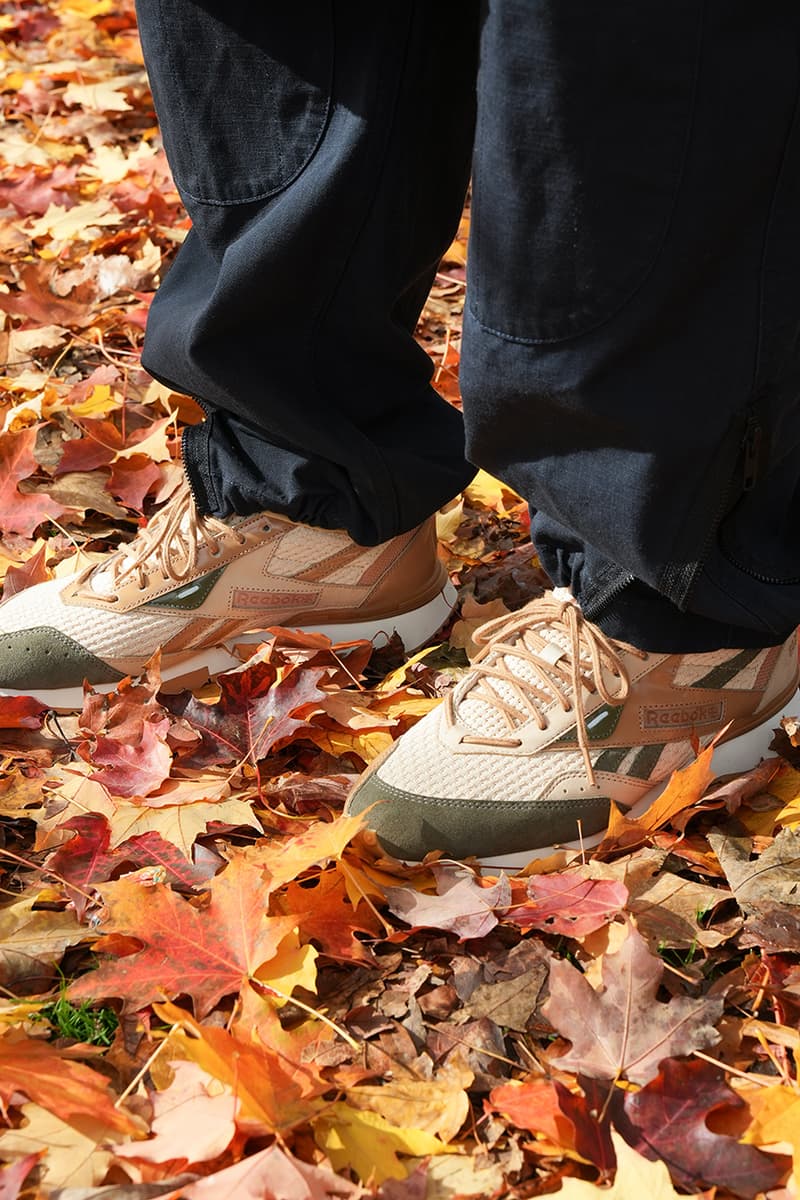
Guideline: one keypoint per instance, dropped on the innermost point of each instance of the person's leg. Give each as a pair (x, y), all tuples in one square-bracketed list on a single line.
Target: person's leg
[(323, 152), (630, 364)]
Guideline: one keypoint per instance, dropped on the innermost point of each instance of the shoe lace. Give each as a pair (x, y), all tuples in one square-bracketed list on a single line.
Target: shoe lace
[(556, 669), (170, 542)]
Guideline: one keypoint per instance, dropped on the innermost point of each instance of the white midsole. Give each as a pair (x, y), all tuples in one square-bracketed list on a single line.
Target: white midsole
[(414, 628)]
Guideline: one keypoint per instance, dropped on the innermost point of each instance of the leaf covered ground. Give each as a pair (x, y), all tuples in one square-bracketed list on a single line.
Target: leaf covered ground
[(212, 983)]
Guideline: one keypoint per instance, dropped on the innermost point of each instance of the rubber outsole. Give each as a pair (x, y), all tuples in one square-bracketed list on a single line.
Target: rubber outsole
[(414, 628)]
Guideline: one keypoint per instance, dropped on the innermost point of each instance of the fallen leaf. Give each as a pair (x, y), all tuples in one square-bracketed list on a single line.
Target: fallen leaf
[(438, 1105), (369, 1143), (206, 954), (636, 1177), (773, 877), (21, 513), (460, 904), (192, 1120), (667, 1121), (624, 1030), (569, 904), (71, 1155), (52, 1082)]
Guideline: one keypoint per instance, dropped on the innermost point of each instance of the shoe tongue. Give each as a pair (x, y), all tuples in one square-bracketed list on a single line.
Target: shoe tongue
[(480, 716)]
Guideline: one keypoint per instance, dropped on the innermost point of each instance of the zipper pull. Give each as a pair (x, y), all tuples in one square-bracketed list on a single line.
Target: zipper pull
[(751, 447)]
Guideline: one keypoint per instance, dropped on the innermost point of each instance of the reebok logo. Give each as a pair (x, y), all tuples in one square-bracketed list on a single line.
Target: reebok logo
[(680, 716)]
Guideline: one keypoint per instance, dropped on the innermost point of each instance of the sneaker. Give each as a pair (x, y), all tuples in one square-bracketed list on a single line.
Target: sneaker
[(555, 720), (197, 586)]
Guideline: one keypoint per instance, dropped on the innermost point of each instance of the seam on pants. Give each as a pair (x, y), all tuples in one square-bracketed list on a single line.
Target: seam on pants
[(275, 191)]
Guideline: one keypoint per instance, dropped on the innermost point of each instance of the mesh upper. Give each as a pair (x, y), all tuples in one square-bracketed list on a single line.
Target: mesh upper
[(104, 633)]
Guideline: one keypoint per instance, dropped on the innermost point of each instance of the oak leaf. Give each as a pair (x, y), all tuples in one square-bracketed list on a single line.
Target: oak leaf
[(206, 954), (623, 1030)]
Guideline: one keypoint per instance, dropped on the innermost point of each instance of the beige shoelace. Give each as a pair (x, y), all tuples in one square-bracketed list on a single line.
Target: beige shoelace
[(171, 542), (579, 666)]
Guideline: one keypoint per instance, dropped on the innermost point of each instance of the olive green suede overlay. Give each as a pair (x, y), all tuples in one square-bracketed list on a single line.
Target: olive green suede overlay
[(410, 826), (46, 658), (188, 595)]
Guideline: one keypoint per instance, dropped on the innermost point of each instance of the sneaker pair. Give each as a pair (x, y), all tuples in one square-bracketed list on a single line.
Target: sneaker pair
[(553, 722)]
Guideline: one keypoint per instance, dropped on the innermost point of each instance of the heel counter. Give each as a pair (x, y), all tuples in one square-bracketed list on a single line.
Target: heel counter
[(409, 573)]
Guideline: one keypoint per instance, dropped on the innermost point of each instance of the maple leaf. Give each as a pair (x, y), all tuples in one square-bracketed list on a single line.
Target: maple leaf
[(87, 858), (69, 1089), (72, 1155), (191, 1122), (569, 904), (21, 513), (776, 1119), (206, 954), (623, 1030), (322, 842), (370, 1144), (21, 712), (14, 1175), (562, 1120), (272, 1091), (271, 1174), (460, 905), (636, 1177), (254, 713), (667, 1121), (438, 1105), (325, 916), (32, 941)]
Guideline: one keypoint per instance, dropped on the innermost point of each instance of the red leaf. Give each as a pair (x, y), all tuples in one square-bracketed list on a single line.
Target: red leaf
[(204, 953), (22, 513), (254, 713), (567, 1120), (568, 904), (666, 1122), (132, 478), (21, 712)]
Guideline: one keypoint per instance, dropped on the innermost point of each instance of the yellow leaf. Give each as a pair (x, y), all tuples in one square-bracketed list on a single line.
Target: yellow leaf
[(636, 1178), (291, 967), (448, 521), (683, 790), (776, 1120), (98, 403), (63, 224), (491, 492), (370, 1144), (89, 8), (785, 786), (103, 96), (439, 1105), (348, 741), (321, 842)]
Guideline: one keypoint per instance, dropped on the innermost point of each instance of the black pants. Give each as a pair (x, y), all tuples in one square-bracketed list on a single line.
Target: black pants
[(631, 353)]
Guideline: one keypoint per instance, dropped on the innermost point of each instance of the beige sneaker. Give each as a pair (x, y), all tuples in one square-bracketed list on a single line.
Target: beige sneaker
[(553, 722), (197, 586)]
